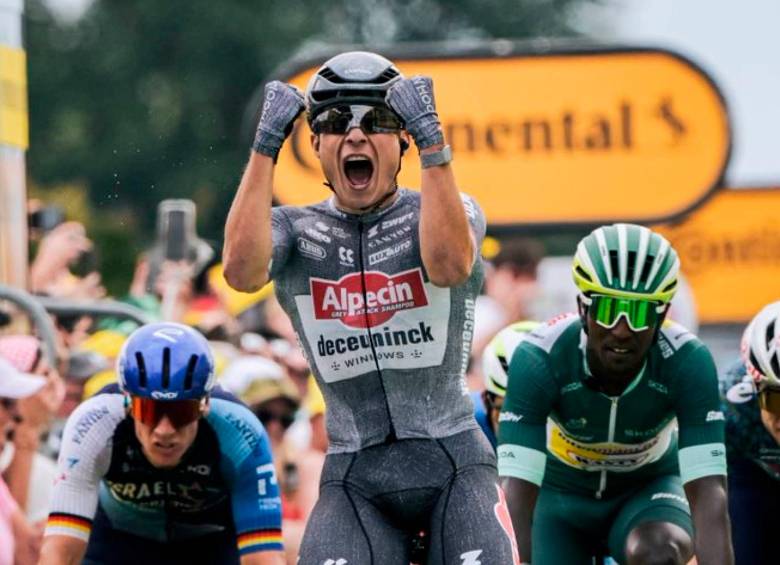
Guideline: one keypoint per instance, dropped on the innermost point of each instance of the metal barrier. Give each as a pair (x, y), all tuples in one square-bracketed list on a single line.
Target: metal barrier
[(39, 307)]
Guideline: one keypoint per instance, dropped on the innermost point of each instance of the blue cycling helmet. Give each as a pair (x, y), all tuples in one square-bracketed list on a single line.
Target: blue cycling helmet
[(166, 361)]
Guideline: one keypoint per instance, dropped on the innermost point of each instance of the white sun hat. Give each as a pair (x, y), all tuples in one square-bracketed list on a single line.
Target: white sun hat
[(15, 384)]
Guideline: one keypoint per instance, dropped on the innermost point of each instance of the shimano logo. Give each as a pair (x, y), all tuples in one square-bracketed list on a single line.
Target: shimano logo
[(509, 417), (164, 395), (346, 299), (714, 416)]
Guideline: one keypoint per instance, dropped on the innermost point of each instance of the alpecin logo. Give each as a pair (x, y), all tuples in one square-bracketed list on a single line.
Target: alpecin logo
[(346, 301)]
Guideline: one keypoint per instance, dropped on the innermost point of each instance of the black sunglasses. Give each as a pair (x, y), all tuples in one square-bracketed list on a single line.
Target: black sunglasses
[(267, 416), (371, 119)]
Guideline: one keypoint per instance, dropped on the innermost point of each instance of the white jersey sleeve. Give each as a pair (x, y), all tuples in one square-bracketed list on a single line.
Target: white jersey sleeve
[(84, 459)]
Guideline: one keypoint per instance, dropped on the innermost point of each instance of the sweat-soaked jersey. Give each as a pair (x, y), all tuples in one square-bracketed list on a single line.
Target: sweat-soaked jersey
[(557, 430), (388, 348)]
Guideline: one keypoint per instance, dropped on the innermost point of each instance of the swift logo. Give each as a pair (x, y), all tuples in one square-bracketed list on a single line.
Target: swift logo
[(161, 395), (335, 562), (347, 301), (471, 557), (715, 415)]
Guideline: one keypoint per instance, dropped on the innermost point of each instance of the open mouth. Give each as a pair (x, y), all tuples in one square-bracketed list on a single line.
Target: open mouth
[(358, 170), (619, 350)]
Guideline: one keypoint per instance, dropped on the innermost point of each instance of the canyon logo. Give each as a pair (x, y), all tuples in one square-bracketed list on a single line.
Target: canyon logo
[(347, 301)]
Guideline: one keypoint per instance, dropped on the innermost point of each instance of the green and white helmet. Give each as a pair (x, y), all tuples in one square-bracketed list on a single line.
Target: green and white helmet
[(626, 260), (498, 354)]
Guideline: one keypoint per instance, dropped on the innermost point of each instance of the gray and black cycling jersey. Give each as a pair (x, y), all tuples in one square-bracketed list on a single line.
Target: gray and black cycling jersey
[(388, 348)]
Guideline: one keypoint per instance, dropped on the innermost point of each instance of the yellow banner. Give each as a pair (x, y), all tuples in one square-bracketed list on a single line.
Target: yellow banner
[(569, 138), (730, 253), (14, 127)]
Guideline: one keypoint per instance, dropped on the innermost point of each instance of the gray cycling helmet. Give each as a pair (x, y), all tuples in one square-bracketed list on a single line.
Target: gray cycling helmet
[(355, 77)]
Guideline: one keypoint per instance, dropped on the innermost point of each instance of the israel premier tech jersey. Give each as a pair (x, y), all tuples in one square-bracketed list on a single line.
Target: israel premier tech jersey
[(225, 481), (598, 445), (388, 348)]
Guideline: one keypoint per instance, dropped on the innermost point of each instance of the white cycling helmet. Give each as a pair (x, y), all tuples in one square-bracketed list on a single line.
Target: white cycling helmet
[(498, 354), (760, 346)]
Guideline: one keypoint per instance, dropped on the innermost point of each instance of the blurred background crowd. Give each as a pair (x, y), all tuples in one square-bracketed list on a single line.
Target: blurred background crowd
[(136, 108)]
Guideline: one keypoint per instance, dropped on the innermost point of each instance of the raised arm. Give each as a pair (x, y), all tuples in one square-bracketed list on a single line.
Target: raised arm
[(447, 245), (248, 244)]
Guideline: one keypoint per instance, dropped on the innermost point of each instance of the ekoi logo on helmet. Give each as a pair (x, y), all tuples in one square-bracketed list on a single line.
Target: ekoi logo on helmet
[(348, 301)]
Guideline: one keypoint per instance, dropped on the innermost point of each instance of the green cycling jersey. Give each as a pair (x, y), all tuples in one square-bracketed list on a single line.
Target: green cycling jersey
[(556, 428)]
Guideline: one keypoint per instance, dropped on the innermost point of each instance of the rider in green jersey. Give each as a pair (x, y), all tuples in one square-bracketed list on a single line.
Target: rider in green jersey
[(611, 434)]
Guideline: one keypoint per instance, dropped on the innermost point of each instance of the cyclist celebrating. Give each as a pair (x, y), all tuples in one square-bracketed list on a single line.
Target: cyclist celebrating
[(609, 472), (162, 471), (380, 283), (752, 402)]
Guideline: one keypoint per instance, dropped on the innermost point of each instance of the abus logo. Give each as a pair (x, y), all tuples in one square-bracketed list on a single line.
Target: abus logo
[(346, 299), (164, 395)]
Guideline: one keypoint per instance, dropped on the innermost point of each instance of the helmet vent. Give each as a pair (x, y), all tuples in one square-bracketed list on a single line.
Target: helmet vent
[(646, 269), (581, 272), (613, 262), (387, 75), (773, 361), (670, 286), (166, 368), (504, 364), (139, 359), (328, 74), (754, 362), (190, 372), (770, 334)]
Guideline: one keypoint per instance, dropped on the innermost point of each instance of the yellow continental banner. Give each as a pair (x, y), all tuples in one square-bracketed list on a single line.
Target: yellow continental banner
[(730, 253), (570, 138), (14, 128)]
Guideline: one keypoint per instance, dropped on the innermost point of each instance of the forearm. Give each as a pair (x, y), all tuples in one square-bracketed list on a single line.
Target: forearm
[(446, 243), (248, 246), (61, 550), (521, 498), (18, 472), (709, 510)]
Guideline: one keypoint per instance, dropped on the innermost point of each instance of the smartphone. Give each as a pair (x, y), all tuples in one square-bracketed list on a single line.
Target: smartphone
[(85, 263), (176, 228), (46, 218)]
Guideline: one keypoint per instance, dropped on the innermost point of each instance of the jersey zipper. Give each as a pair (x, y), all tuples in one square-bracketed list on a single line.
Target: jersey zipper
[(610, 438), (391, 436)]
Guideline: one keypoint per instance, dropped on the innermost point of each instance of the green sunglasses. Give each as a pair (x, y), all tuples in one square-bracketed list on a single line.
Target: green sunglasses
[(640, 314)]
